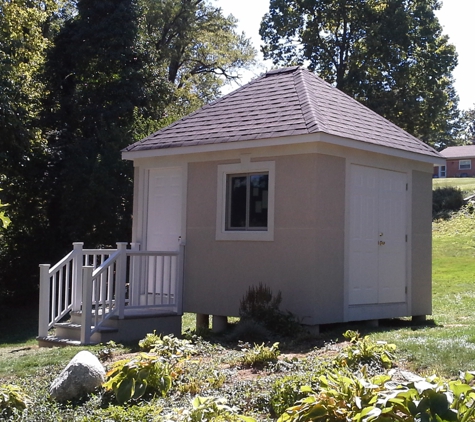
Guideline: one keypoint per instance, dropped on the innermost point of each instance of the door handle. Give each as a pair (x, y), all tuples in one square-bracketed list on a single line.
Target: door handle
[(381, 243)]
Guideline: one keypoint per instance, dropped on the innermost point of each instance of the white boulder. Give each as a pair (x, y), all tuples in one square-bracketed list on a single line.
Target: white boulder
[(83, 374)]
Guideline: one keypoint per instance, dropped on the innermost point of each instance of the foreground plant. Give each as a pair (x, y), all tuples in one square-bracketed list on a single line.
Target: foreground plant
[(12, 399), (216, 410), (167, 346), (364, 351), (259, 355), (131, 379), (342, 396)]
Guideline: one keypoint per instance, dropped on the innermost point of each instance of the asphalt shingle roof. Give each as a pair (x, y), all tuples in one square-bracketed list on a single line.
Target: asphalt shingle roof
[(464, 151), (284, 102)]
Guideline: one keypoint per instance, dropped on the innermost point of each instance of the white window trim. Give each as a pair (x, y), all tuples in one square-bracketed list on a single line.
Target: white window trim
[(245, 166), (466, 162)]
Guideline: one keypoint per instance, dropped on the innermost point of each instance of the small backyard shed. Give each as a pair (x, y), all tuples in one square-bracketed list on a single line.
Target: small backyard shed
[(289, 182)]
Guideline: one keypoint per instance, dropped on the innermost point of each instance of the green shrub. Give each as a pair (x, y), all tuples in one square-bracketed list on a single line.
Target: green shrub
[(215, 410), (364, 351), (260, 355), (260, 305), (344, 396), (446, 200), (287, 391), (130, 379), (12, 399), (142, 413), (166, 346)]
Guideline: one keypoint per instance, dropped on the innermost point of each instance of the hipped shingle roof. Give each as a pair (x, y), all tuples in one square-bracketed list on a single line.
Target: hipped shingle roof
[(284, 102)]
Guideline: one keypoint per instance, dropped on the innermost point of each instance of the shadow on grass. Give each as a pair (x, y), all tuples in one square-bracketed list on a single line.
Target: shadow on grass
[(18, 323)]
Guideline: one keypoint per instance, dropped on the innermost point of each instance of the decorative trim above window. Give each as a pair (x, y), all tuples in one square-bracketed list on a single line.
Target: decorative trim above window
[(465, 164), (245, 206)]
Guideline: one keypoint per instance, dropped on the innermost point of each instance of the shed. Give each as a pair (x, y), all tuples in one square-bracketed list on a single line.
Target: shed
[(289, 182)]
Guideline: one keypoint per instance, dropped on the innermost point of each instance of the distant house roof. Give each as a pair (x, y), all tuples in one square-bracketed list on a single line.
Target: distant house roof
[(285, 102), (464, 151)]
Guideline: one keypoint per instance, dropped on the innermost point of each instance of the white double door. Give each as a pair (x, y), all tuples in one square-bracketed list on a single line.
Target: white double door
[(378, 236), (164, 227)]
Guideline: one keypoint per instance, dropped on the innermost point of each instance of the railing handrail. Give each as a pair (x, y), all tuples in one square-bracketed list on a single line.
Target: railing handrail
[(61, 263), (98, 251), (152, 253), (106, 264)]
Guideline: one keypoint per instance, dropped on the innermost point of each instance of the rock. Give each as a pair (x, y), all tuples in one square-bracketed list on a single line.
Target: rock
[(83, 374)]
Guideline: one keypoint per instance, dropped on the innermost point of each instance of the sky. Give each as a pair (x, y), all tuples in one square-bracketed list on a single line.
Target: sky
[(455, 16)]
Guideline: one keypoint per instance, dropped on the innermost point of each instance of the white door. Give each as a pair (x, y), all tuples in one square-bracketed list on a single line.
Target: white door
[(164, 231), (377, 260), (164, 209)]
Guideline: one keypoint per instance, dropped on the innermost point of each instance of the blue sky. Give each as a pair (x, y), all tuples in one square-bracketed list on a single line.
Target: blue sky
[(456, 16)]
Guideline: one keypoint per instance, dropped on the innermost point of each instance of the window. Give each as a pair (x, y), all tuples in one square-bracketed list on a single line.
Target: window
[(442, 171), (465, 164), (247, 201), (245, 209)]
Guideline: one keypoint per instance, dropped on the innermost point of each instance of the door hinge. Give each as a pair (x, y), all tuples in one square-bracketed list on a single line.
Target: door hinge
[(405, 289), (406, 237), (407, 186)]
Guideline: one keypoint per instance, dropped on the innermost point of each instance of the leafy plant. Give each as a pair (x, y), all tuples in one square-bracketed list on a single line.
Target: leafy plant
[(4, 220), (106, 352), (364, 351), (343, 396), (259, 355), (166, 346), (216, 410), (12, 398), (130, 379), (287, 391)]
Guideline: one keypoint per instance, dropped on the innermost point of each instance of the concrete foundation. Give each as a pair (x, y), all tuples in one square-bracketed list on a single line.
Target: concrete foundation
[(202, 322), (219, 324)]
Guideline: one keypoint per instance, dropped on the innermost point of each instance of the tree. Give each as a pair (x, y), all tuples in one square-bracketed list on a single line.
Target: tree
[(468, 123), (390, 55), (195, 47)]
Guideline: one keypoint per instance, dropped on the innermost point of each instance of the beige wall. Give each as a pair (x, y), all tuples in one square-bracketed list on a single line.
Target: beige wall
[(305, 260), (421, 256)]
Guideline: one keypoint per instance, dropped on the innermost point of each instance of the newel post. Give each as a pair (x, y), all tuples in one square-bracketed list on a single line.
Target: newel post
[(180, 281), (134, 280), (43, 314), (77, 276), (86, 315), (121, 277)]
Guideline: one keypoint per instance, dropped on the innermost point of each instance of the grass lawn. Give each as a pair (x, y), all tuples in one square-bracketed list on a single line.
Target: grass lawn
[(467, 184), (444, 346)]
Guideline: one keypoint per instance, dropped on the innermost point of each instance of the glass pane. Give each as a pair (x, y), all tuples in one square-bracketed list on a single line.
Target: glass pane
[(236, 206), (259, 190)]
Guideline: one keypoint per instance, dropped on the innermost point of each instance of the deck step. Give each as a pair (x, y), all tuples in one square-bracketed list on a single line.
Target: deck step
[(72, 326), (53, 341)]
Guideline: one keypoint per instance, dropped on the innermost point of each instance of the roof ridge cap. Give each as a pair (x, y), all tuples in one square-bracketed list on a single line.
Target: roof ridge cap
[(312, 122)]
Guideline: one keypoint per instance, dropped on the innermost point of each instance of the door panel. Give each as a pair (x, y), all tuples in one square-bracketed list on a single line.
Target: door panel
[(164, 209), (363, 237), (163, 228), (377, 260)]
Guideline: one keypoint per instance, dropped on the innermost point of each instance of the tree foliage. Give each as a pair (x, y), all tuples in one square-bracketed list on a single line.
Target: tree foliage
[(79, 81), (468, 123), (195, 47), (391, 55)]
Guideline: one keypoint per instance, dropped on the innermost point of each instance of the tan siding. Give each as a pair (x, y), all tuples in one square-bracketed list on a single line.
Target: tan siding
[(421, 243), (305, 260)]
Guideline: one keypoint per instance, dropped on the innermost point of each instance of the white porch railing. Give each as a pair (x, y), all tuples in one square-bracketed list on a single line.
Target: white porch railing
[(109, 282)]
